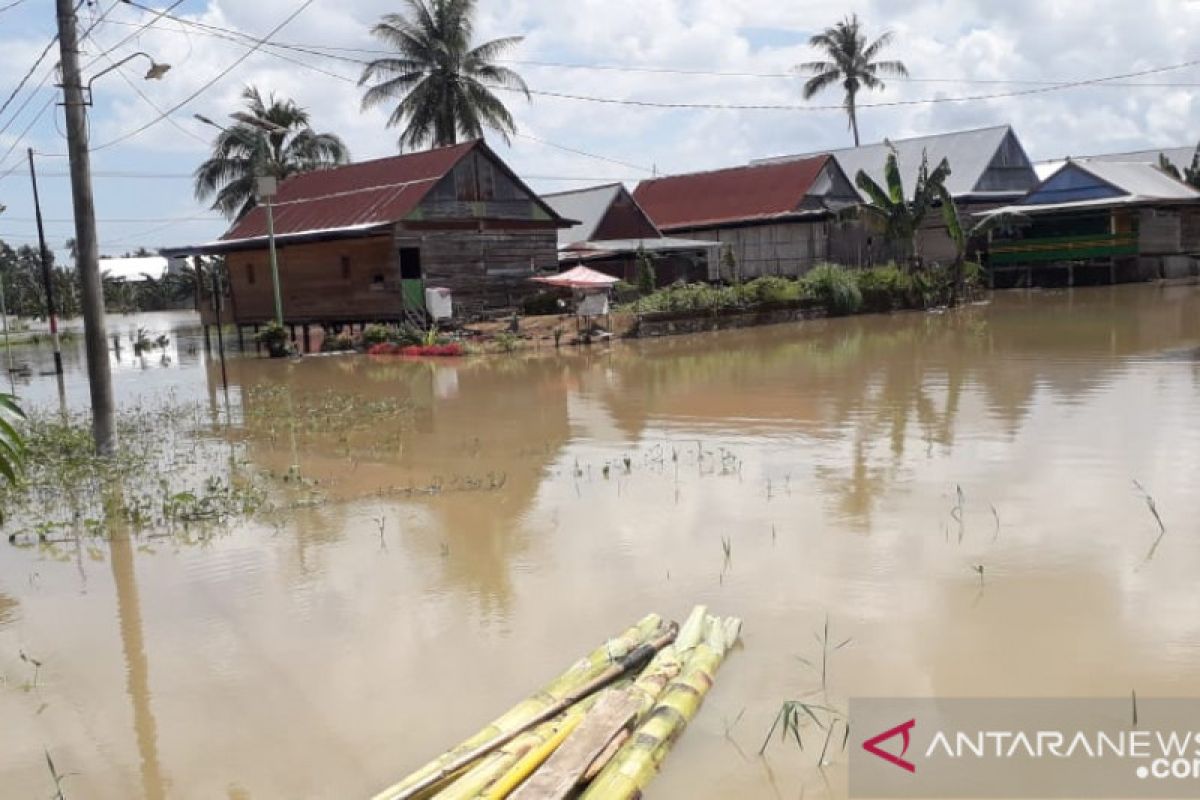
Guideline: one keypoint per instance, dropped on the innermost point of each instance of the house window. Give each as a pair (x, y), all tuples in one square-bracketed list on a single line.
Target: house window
[(250, 274), (345, 268), (377, 283)]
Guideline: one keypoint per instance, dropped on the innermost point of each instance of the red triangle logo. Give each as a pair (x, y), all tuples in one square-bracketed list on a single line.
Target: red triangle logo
[(905, 730)]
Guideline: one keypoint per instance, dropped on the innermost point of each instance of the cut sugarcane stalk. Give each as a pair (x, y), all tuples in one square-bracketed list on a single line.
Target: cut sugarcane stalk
[(532, 760), (580, 758), (605, 756), (495, 765), (638, 761), (556, 778), (579, 674)]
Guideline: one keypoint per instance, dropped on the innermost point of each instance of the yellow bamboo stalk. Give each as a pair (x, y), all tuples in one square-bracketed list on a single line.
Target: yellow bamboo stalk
[(636, 763), (532, 760), (495, 765), (580, 673)]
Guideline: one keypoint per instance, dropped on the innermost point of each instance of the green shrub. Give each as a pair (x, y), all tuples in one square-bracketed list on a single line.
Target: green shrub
[(338, 343), (774, 289), (884, 288), (542, 304), (688, 297), (376, 334), (646, 279), (406, 335), (834, 288)]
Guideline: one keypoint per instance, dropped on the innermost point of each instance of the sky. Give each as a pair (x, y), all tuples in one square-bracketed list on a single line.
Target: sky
[(953, 49)]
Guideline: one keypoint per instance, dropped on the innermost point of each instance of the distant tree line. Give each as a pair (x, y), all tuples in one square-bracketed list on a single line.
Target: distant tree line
[(25, 292), (24, 289)]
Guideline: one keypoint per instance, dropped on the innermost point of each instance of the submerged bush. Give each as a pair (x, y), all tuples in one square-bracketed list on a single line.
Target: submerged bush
[(774, 289), (884, 288), (835, 288), (337, 343), (376, 334)]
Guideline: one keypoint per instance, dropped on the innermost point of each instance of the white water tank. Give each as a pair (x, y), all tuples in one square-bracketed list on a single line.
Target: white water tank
[(438, 303)]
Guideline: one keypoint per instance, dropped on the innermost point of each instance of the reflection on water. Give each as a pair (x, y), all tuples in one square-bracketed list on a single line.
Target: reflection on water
[(475, 525)]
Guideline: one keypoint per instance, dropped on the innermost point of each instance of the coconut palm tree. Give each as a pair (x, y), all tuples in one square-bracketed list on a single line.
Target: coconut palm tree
[(851, 62), (272, 138), (442, 85)]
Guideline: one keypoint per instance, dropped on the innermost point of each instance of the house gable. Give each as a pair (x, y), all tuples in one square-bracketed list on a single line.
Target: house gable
[(1072, 184), (832, 189), (480, 187), (624, 219), (1009, 170)]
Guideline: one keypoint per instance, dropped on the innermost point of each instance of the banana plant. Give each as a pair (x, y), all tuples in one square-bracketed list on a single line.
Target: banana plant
[(898, 217), (962, 235), (12, 444)]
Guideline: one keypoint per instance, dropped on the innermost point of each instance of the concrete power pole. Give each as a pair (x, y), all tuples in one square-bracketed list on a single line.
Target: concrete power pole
[(95, 337)]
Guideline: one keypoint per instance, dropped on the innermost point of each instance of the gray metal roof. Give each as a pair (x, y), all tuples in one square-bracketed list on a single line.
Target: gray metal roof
[(586, 205), (1179, 156), (983, 162), (1142, 183), (1143, 180)]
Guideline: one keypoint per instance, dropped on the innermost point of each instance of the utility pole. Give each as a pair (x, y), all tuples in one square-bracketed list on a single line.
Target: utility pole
[(95, 337), (47, 275)]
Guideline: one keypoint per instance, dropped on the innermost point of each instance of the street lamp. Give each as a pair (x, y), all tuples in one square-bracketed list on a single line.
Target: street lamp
[(265, 189), (155, 73)]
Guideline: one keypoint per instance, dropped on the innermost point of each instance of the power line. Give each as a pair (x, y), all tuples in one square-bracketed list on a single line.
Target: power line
[(21, 137), (118, 220), (237, 36), (21, 84), (11, 6), (210, 83), (329, 51)]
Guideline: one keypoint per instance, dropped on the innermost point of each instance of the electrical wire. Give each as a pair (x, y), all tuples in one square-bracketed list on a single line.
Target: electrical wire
[(329, 51), (11, 6), (136, 131)]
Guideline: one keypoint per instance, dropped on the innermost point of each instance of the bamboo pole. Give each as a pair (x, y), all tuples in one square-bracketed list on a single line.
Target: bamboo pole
[(638, 761), (569, 765), (496, 766), (520, 716)]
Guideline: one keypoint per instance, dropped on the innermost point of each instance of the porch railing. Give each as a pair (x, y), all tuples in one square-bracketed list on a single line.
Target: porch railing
[(1064, 248)]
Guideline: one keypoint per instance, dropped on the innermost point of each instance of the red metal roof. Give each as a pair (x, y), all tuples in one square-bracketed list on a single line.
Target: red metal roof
[(356, 195), (738, 194)]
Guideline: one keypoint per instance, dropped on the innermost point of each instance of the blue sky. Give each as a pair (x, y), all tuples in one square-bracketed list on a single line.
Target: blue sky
[(954, 48)]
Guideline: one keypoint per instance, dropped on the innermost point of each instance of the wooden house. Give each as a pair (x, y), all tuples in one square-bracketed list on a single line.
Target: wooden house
[(774, 218), (360, 243), (610, 231), (1101, 221), (988, 168)]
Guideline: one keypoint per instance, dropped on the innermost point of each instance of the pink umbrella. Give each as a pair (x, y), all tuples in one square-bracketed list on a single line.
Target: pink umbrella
[(580, 278)]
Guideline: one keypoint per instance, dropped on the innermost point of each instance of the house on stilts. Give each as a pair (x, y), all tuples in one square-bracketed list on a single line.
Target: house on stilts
[(361, 243), (1099, 221)]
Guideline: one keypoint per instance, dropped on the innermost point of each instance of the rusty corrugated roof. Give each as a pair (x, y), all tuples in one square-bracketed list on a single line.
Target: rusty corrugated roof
[(739, 194), (352, 196)]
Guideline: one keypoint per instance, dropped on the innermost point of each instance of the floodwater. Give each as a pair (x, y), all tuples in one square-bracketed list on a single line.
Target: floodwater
[(861, 471)]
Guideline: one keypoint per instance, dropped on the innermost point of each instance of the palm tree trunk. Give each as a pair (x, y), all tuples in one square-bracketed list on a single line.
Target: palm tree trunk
[(853, 111)]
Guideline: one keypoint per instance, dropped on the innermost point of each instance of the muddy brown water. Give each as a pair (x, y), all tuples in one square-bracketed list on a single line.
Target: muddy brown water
[(309, 658)]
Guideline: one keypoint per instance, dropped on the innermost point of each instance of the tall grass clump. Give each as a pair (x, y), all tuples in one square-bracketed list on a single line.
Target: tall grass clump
[(834, 288)]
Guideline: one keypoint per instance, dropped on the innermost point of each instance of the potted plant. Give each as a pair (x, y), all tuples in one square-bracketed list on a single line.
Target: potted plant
[(274, 337)]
